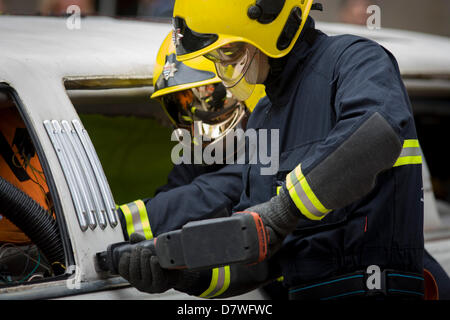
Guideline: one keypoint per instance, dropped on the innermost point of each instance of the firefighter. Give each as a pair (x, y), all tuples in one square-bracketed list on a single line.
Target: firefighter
[(194, 100), (348, 218), (344, 212)]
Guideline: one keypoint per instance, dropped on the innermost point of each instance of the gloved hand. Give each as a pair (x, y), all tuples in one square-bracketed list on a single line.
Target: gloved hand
[(279, 216), (143, 271)]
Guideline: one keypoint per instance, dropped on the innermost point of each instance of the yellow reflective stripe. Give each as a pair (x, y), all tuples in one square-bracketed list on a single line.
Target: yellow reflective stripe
[(213, 284), (136, 218), (411, 153), (220, 281), (408, 160), (412, 143), (226, 282), (128, 218), (303, 197), (309, 193), (297, 200), (144, 219), (280, 279), (278, 190)]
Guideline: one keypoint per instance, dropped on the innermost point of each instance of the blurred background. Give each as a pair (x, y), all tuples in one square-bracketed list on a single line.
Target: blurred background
[(417, 15)]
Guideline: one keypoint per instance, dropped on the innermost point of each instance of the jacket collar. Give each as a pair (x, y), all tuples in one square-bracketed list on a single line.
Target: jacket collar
[(279, 83)]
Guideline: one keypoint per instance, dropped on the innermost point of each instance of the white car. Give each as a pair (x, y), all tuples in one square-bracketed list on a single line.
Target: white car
[(50, 72)]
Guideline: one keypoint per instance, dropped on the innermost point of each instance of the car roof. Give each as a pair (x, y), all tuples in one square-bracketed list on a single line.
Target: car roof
[(418, 54), (123, 49), (102, 47)]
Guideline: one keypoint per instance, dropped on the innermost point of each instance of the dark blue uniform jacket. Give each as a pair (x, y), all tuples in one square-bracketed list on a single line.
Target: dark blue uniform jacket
[(325, 89)]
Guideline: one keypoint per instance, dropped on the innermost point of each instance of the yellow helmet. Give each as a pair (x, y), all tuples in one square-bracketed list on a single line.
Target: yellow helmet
[(171, 75), (272, 26), (194, 98)]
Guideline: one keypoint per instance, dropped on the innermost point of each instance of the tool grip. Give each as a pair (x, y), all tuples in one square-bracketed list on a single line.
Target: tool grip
[(109, 260)]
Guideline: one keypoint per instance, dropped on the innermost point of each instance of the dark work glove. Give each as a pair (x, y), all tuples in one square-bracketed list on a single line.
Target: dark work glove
[(143, 271), (279, 217)]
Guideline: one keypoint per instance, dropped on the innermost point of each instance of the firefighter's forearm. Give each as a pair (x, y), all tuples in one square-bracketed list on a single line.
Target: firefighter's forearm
[(338, 179), (346, 174)]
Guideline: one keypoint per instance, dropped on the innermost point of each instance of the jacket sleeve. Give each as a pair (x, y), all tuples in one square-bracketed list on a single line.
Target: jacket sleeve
[(229, 281), (372, 113), (181, 175), (209, 195)]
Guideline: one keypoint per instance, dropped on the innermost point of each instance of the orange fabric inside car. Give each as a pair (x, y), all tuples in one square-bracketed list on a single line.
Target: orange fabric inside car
[(34, 184)]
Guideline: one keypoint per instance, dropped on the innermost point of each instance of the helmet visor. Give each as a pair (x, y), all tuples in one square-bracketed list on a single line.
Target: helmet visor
[(237, 67), (209, 111), (210, 104), (232, 62)]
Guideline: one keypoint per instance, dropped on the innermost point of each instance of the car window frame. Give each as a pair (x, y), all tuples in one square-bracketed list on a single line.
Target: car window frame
[(60, 218)]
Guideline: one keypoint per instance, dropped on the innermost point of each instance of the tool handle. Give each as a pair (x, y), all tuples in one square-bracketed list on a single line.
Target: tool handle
[(239, 239), (109, 260)]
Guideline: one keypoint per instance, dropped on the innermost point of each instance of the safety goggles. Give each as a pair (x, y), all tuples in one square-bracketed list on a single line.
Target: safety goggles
[(237, 67), (232, 62)]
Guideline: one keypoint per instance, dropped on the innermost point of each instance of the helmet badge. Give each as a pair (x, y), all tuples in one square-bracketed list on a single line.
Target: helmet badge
[(177, 36), (169, 70)]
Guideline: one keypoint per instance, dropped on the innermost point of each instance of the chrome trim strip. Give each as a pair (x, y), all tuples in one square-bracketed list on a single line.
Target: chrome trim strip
[(87, 174), (69, 174), (61, 133), (105, 190)]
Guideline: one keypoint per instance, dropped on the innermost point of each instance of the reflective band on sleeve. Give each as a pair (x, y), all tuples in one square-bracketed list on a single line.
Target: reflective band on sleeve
[(303, 197), (128, 218), (144, 219), (411, 143), (137, 219), (220, 281), (411, 154)]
